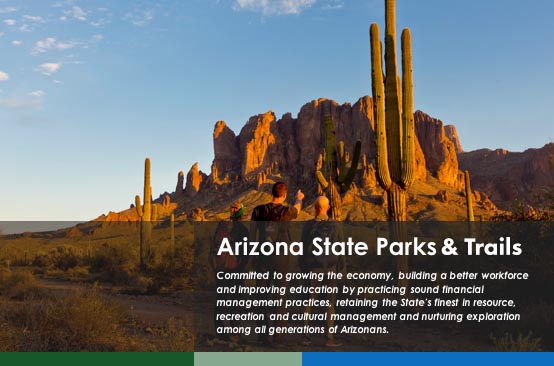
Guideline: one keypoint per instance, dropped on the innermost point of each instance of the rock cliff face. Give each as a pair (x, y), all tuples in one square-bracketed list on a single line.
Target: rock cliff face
[(227, 161), (194, 181), (290, 147), (439, 151), (452, 135), (508, 177), (257, 144), (180, 188)]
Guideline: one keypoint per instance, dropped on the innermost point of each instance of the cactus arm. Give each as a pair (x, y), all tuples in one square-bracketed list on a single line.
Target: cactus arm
[(392, 94), (342, 166), (351, 173), (138, 206), (330, 147), (333, 178), (321, 180), (383, 173), (408, 135)]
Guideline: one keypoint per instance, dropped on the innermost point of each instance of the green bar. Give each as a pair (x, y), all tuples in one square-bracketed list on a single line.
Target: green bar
[(248, 358), (96, 358)]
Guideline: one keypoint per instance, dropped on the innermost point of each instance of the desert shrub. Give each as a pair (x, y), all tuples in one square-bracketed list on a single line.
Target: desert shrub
[(17, 284), (53, 273), (172, 270), (113, 264), (21, 260), (539, 317), (42, 260), (78, 273), (141, 284), (78, 321), (522, 212), (173, 336), (522, 343), (65, 258)]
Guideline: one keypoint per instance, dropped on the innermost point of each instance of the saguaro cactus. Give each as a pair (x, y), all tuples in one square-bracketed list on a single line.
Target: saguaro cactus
[(469, 198), (335, 177), (172, 239), (393, 106), (145, 213), (394, 114)]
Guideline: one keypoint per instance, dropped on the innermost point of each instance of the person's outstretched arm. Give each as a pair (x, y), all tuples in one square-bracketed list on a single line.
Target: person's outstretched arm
[(299, 198)]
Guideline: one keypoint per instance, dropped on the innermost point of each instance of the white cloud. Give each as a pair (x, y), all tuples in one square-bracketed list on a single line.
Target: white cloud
[(49, 68), (65, 45), (10, 22), (274, 7), (51, 43), (6, 10), (17, 42), (30, 22), (18, 103), (77, 13), (33, 18), (139, 18), (37, 93), (333, 5), (99, 23), (4, 76), (45, 45)]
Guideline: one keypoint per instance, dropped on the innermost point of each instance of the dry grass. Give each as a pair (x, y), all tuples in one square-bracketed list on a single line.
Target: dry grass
[(76, 320), (41, 321)]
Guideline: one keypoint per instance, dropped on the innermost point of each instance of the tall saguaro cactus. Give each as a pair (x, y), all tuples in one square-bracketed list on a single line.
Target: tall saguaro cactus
[(145, 213), (172, 239), (394, 114), (393, 106), (335, 177)]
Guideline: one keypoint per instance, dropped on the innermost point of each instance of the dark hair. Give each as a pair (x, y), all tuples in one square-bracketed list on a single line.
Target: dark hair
[(279, 189)]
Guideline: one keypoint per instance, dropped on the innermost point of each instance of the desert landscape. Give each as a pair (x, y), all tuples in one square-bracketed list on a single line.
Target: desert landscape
[(135, 279)]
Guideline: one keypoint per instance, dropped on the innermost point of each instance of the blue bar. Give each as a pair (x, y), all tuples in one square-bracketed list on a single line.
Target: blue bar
[(426, 359)]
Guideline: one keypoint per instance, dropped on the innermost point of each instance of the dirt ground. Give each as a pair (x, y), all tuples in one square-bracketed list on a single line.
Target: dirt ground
[(155, 309)]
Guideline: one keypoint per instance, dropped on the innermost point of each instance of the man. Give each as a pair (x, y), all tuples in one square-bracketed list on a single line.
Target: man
[(275, 210), (269, 222), (322, 227)]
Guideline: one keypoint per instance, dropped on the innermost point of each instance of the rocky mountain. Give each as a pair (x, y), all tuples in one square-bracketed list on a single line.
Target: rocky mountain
[(268, 149), (291, 146), (512, 177)]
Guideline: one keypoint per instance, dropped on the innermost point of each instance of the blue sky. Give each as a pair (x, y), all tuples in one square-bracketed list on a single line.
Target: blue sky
[(88, 89)]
